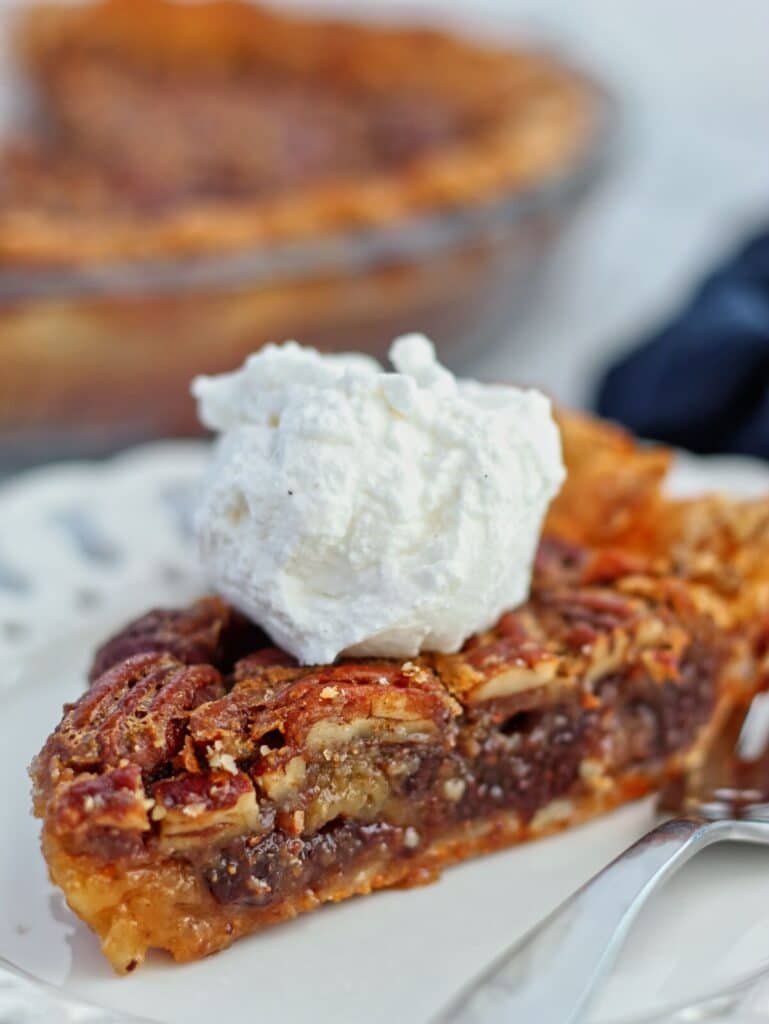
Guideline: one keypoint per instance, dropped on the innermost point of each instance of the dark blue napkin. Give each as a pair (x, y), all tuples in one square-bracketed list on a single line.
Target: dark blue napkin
[(702, 382)]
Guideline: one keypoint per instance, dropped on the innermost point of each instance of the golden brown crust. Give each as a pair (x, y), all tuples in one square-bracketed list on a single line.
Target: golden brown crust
[(614, 500), (612, 495), (504, 121)]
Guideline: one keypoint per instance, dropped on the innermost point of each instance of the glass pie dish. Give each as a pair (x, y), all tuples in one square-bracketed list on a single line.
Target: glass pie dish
[(134, 256)]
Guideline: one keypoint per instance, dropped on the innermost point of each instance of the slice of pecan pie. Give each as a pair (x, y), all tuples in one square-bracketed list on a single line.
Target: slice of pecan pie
[(206, 785)]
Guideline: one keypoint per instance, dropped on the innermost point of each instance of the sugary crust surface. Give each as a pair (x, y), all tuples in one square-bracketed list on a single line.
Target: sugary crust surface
[(481, 122), (613, 500), (612, 496)]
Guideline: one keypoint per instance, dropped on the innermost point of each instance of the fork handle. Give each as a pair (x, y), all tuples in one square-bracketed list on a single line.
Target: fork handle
[(549, 974)]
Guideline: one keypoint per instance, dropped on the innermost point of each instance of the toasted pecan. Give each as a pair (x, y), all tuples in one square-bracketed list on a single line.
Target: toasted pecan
[(209, 631)]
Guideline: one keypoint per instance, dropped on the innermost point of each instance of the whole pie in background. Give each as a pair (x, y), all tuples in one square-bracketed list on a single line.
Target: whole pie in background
[(192, 180)]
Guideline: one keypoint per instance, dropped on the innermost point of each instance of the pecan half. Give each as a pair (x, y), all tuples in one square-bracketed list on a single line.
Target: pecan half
[(325, 706), (103, 814), (214, 807), (137, 711), (208, 632)]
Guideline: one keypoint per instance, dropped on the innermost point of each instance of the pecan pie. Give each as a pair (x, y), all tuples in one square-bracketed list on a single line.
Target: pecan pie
[(168, 127), (206, 785), (193, 180)]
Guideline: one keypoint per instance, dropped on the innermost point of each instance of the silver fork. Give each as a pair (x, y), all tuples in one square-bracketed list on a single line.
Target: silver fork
[(548, 976)]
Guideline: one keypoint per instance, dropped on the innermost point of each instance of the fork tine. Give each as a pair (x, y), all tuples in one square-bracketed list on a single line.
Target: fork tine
[(753, 741), (734, 772)]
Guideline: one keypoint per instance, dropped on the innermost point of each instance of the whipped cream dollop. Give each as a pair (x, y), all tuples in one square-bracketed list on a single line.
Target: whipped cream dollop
[(350, 510)]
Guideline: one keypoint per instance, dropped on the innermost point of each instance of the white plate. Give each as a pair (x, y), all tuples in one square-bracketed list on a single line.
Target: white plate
[(83, 548)]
